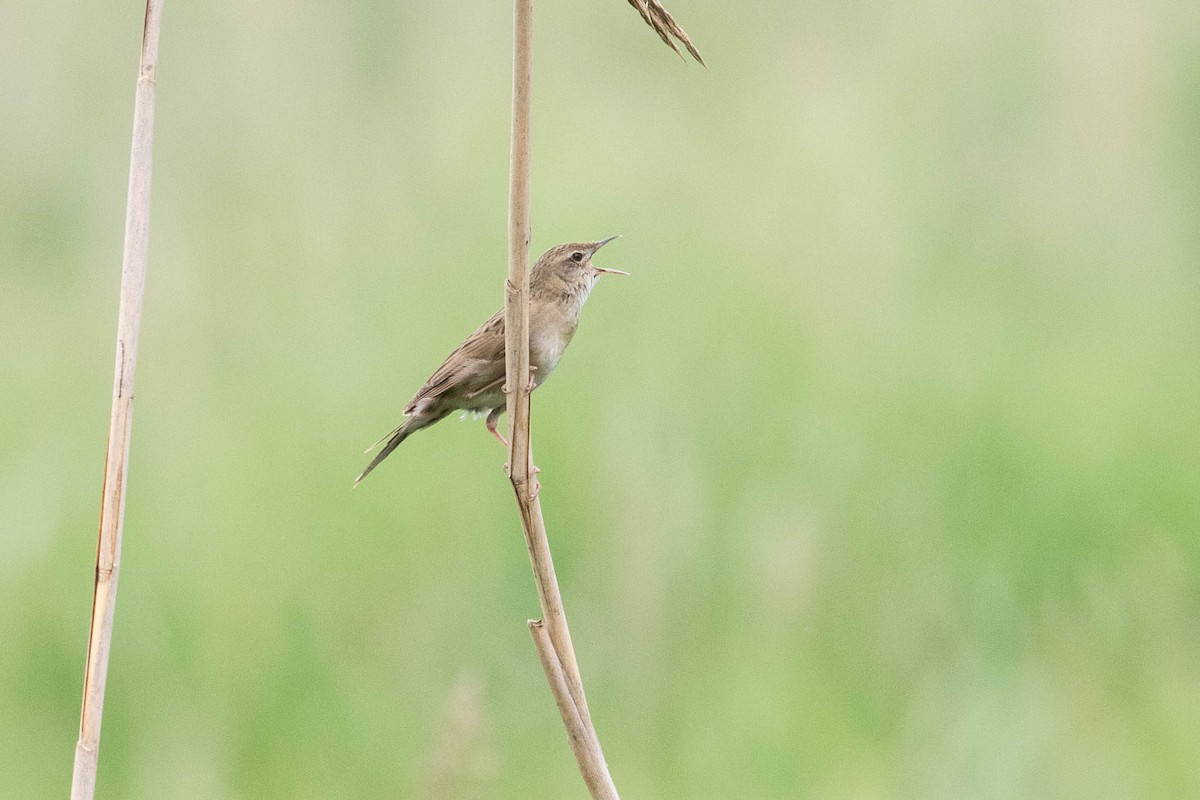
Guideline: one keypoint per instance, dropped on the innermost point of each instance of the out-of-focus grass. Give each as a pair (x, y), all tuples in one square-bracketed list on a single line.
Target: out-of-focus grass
[(878, 479)]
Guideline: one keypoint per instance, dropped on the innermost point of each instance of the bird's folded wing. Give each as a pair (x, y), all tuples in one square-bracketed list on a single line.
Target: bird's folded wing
[(477, 363)]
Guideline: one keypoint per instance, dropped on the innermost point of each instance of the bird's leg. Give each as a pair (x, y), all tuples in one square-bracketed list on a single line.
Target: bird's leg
[(491, 424), (532, 385)]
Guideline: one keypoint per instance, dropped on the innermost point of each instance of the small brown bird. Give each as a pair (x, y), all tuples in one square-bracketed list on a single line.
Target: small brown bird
[(472, 377)]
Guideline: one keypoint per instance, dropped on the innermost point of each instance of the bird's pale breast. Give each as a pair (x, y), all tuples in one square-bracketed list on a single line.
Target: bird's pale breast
[(545, 351), (551, 329)]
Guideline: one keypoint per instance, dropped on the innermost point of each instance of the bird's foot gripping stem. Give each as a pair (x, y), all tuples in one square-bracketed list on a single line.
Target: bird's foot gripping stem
[(535, 486)]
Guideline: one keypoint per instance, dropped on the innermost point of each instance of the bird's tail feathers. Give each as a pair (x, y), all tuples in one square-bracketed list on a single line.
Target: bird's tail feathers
[(394, 439), (385, 437)]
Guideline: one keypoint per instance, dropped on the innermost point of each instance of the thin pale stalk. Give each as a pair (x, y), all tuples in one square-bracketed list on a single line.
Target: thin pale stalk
[(590, 760), (517, 388), (116, 460), (516, 295)]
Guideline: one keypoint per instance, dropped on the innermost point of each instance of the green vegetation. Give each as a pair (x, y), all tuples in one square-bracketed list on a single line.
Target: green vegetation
[(879, 479)]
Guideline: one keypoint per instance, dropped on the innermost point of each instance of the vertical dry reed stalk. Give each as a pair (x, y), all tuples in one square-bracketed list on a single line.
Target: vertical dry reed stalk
[(553, 641), (116, 460)]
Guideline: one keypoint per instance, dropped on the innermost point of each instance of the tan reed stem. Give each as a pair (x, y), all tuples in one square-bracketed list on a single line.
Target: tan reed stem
[(116, 460), (562, 669), (581, 737)]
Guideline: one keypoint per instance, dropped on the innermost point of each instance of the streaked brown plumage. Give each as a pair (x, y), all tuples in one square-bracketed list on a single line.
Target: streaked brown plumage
[(472, 377)]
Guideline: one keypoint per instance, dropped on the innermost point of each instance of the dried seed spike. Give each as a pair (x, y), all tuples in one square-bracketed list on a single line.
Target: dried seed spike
[(679, 32), (653, 22), (658, 18), (640, 5), (666, 25)]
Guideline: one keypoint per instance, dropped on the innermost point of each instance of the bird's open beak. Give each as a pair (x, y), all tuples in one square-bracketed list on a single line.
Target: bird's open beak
[(602, 270)]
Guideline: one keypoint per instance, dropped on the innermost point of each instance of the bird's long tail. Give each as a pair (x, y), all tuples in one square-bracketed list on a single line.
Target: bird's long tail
[(406, 429)]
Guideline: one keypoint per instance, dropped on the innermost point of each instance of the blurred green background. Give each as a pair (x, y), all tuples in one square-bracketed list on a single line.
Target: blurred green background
[(879, 479)]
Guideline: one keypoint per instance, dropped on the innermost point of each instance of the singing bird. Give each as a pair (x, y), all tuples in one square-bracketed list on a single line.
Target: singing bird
[(472, 377)]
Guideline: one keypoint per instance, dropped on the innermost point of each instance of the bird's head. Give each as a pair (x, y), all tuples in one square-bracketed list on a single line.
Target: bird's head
[(571, 264)]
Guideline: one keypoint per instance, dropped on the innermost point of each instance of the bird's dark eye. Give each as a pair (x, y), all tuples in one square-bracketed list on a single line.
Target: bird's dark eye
[(577, 256)]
